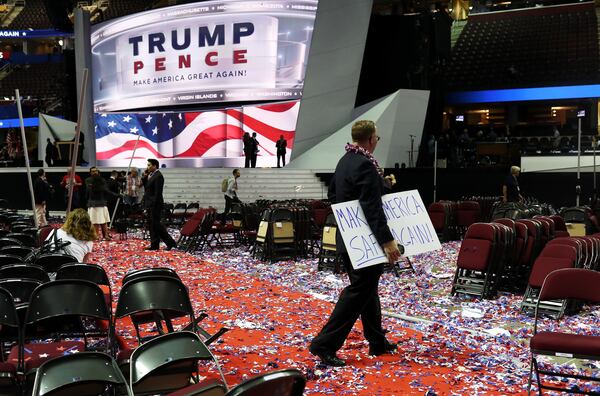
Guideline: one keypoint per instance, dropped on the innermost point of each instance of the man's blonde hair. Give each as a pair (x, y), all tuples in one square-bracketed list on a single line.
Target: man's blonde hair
[(362, 130), (514, 169)]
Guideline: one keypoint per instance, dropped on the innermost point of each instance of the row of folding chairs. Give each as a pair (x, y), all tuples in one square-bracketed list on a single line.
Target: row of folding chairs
[(451, 219), (159, 366), (499, 255), (75, 312), (481, 259), (560, 253), (202, 230), (275, 238)]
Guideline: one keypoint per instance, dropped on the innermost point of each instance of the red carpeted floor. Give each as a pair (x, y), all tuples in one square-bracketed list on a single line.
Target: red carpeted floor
[(272, 326)]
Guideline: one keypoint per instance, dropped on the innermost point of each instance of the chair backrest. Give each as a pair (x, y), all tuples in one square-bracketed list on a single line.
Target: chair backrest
[(437, 214), (7, 259), (154, 293), (25, 239), (281, 383), (5, 241), (20, 288), (191, 227), (21, 251), (560, 251), (83, 373), (145, 272), (468, 213), (89, 272), (8, 312), (559, 223), (477, 249), (66, 298), (29, 271), (51, 262), (571, 283), (166, 363)]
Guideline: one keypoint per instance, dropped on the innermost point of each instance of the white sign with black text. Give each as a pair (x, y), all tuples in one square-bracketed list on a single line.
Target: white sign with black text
[(407, 219)]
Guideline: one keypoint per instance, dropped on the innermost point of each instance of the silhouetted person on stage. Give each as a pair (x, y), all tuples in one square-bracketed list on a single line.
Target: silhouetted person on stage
[(281, 146), (153, 203), (246, 139), (359, 177), (254, 150)]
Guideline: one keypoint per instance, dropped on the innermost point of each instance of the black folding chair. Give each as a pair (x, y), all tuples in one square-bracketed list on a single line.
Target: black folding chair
[(281, 383), (9, 334), (168, 363), (29, 271), (51, 262), (84, 373)]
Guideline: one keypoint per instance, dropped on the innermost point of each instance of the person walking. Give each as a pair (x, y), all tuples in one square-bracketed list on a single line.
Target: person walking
[(41, 195), (358, 177), (281, 146), (231, 194), (132, 187), (96, 202), (153, 204)]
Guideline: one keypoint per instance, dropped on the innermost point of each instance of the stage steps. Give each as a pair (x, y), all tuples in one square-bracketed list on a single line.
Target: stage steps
[(204, 185)]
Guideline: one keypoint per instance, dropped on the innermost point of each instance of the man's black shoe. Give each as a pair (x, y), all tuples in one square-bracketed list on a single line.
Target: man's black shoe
[(377, 350), (171, 247), (329, 359), (151, 248)]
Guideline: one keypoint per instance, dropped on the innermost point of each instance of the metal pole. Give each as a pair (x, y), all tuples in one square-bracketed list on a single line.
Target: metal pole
[(76, 146), (578, 186), (24, 140), (595, 193), (435, 171), (128, 170)]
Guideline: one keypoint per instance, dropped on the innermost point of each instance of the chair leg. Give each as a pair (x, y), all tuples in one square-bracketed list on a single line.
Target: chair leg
[(529, 381), (537, 374)]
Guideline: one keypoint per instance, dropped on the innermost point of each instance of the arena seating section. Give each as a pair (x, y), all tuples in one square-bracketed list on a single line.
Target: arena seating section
[(38, 81), (32, 16), (526, 48)]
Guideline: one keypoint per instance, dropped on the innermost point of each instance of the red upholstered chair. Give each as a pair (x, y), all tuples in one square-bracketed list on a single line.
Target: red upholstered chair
[(476, 267), (438, 213), (468, 213), (552, 258), (533, 245), (560, 228), (190, 232), (578, 245), (562, 284)]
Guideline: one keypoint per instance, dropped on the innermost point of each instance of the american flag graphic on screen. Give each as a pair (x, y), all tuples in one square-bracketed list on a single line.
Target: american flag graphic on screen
[(206, 135)]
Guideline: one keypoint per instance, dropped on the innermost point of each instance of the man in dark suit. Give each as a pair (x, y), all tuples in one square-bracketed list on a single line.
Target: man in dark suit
[(281, 146), (254, 147), (153, 203), (358, 177)]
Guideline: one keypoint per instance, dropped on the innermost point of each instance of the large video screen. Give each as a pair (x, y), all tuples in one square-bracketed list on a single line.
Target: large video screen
[(206, 52), (212, 138)]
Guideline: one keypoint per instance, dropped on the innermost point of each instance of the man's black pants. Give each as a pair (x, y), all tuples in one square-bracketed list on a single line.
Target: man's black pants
[(360, 298), (157, 230), (228, 204)]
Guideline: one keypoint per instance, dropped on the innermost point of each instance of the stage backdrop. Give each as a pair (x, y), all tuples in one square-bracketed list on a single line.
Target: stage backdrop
[(209, 52), (193, 139)]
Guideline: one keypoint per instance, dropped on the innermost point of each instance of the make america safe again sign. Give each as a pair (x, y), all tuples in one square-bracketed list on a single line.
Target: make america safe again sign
[(407, 219)]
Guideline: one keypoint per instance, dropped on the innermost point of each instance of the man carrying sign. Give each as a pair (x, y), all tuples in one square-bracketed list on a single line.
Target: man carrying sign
[(358, 176)]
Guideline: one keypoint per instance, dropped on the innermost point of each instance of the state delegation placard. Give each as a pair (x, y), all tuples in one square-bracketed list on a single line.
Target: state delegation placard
[(407, 219)]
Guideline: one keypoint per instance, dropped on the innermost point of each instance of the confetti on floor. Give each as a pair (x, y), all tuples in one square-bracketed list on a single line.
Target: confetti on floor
[(447, 345)]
